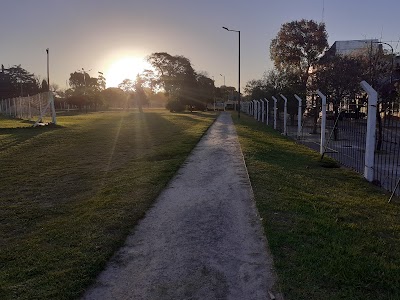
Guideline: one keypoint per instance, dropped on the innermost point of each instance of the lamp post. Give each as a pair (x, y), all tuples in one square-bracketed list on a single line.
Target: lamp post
[(224, 78), (238, 31), (391, 48), (391, 70), (48, 71)]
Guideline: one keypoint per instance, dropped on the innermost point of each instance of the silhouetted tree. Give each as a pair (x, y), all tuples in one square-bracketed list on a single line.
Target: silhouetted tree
[(16, 82), (297, 47)]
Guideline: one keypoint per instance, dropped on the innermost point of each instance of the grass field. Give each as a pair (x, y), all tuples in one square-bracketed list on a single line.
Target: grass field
[(332, 234), (71, 194)]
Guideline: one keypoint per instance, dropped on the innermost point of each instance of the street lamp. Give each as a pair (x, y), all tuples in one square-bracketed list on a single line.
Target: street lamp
[(391, 71), (391, 48), (238, 31), (224, 78), (48, 71)]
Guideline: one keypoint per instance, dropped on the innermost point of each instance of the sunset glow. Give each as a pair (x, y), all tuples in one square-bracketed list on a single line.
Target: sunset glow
[(125, 68)]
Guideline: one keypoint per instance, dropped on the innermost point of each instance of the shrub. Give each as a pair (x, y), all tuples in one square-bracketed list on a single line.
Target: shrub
[(174, 105)]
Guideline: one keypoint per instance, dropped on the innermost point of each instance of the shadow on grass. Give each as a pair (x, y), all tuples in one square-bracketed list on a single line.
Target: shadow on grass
[(14, 136), (69, 217)]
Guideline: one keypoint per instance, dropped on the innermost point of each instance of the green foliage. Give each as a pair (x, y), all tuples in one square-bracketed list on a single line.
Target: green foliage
[(85, 90), (179, 80), (332, 234), (174, 105), (114, 97), (18, 82), (81, 189)]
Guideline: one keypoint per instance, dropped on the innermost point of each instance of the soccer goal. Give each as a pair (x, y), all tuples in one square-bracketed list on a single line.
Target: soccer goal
[(39, 108)]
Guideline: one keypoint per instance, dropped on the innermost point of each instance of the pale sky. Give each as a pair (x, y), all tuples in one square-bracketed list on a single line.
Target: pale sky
[(95, 34)]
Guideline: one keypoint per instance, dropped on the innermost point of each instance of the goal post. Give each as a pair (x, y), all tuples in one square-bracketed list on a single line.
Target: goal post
[(47, 111), (39, 107)]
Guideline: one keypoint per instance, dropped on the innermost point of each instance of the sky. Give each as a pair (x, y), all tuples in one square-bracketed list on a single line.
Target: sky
[(114, 37)]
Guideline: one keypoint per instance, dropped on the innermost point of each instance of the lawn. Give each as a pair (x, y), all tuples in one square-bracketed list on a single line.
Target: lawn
[(70, 194), (332, 234)]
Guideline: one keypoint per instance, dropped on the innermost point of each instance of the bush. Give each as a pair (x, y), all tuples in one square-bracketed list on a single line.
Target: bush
[(175, 105)]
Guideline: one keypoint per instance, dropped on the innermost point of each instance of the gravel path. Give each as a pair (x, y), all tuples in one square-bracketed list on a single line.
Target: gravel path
[(202, 239)]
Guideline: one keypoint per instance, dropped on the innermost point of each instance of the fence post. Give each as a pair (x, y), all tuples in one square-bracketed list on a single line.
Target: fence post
[(275, 108), (299, 115), (262, 111), (323, 121), (267, 110), (284, 116), (371, 134), (258, 110)]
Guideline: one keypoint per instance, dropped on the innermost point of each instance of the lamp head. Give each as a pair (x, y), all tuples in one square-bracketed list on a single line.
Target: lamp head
[(225, 28)]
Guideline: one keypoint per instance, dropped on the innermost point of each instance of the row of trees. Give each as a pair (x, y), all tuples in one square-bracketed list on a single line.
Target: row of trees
[(301, 68), (15, 81), (172, 80)]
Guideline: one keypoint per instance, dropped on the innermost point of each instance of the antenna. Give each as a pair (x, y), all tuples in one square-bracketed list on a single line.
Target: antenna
[(323, 10)]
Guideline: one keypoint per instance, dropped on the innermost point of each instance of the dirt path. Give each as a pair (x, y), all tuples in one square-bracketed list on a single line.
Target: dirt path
[(202, 239)]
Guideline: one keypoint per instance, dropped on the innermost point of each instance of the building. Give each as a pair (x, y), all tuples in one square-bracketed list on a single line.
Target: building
[(351, 46)]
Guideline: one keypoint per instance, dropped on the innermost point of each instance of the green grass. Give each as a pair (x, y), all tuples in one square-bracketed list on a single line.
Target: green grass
[(332, 234), (70, 195)]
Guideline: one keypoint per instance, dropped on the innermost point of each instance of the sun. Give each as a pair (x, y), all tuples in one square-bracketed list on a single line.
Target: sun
[(125, 68)]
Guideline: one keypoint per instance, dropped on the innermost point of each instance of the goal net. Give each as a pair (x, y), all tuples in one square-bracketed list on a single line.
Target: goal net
[(39, 108)]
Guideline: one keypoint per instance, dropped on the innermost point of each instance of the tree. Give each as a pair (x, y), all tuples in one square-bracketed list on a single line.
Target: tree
[(177, 77), (18, 82), (87, 88), (378, 72), (127, 85), (339, 77), (206, 89), (44, 86), (140, 96), (114, 97), (297, 47)]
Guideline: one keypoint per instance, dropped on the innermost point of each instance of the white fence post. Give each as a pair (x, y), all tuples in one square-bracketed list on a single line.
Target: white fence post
[(323, 122), (267, 110), (299, 115), (255, 109), (262, 111), (275, 108), (284, 116), (371, 134)]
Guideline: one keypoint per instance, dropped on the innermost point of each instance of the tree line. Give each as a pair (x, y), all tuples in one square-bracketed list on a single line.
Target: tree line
[(15, 81), (302, 65), (172, 82)]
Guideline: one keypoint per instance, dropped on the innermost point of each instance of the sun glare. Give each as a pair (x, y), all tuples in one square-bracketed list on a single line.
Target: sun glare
[(125, 68)]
